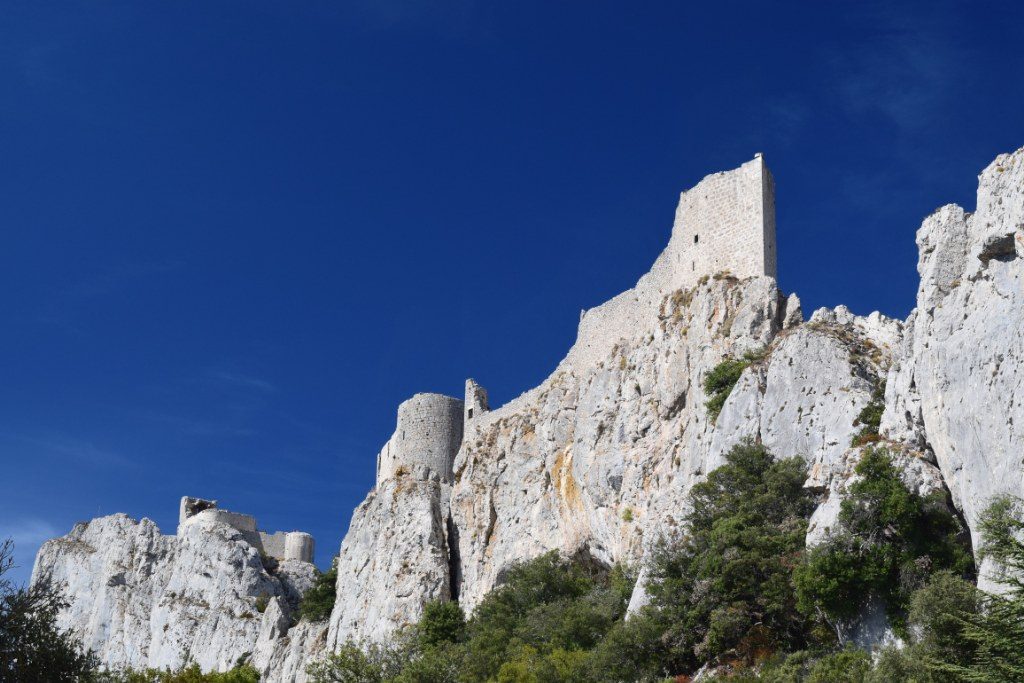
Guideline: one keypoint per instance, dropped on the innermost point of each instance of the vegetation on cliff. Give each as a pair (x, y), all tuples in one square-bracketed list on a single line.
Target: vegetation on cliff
[(738, 592)]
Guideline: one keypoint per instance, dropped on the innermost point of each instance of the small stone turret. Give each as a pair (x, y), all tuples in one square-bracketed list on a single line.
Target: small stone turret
[(476, 400), (426, 439), (288, 545)]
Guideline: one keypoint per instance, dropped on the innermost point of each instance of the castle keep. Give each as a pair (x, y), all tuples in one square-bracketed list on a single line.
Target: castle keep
[(727, 224)]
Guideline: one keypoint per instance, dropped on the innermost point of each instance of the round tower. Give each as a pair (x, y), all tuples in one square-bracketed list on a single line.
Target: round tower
[(426, 439)]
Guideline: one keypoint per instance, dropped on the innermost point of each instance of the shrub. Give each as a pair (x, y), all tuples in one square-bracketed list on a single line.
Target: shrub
[(548, 603), (261, 603), (442, 622), (318, 601), (889, 541), (188, 674), (719, 383), (724, 593), (995, 634), (352, 664), (870, 418)]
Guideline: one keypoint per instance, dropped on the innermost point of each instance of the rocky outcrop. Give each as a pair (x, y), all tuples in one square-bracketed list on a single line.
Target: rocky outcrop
[(143, 599), (956, 390), (600, 458)]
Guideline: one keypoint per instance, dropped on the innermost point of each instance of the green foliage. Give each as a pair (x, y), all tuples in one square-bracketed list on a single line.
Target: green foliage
[(737, 592), (442, 622), (718, 383), (870, 418), (889, 541), (353, 664), (318, 601), (188, 674), (725, 593), (261, 603), (995, 633), (547, 604), (32, 648)]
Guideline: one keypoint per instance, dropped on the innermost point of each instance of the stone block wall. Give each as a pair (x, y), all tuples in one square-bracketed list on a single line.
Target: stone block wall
[(282, 545), (724, 223), (476, 400), (288, 545), (727, 223), (426, 439)]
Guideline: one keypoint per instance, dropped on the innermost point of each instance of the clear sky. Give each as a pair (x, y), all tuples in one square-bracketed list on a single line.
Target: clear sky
[(238, 234)]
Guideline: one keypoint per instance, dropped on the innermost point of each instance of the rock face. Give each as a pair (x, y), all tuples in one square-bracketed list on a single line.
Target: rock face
[(599, 459), (143, 599), (956, 390)]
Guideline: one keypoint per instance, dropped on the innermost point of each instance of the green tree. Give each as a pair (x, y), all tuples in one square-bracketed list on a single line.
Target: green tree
[(996, 632), (32, 647), (888, 542), (725, 592), (719, 383), (442, 622), (318, 601)]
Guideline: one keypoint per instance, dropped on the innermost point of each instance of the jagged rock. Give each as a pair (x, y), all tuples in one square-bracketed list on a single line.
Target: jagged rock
[(143, 599), (955, 389), (392, 561)]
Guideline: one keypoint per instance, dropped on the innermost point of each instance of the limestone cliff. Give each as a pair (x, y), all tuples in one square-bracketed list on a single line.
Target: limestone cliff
[(600, 457)]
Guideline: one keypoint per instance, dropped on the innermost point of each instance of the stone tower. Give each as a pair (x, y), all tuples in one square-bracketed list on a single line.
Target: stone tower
[(727, 223), (426, 439)]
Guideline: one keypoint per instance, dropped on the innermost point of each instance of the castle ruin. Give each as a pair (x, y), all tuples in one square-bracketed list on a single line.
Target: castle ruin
[(281, 545), (723, 225)]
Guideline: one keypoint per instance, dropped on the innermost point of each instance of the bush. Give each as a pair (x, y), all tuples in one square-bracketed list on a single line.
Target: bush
[(188, 674), (353, 664), (870, 418), (888, 542), (32, 648), (548, 603), (994, 635), (318, 602), (442, 622), (725, 592), (719, 383)]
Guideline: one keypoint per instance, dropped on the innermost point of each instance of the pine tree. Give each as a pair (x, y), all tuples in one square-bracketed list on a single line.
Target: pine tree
[(997, 631)]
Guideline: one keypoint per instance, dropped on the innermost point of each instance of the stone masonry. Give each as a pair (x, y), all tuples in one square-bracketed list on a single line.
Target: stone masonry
[(281, 545), (426, 439)]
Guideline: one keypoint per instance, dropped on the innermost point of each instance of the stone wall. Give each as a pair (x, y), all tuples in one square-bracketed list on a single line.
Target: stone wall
[(281, 545), (426, 439), (725, 223), (288, 545), (476, 400)]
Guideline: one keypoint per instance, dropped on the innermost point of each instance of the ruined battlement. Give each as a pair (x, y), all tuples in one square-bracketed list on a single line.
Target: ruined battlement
[(281, 545), (427, 437), (724, 224)]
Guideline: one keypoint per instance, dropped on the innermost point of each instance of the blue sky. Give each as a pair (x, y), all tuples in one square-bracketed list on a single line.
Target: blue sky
[(238, 234)]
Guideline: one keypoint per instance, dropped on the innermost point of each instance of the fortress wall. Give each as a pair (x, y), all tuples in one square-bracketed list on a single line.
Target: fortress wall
[(299, 546), (724, 223), (427, 437), (288, 545), (475, 402), (236, 520)]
